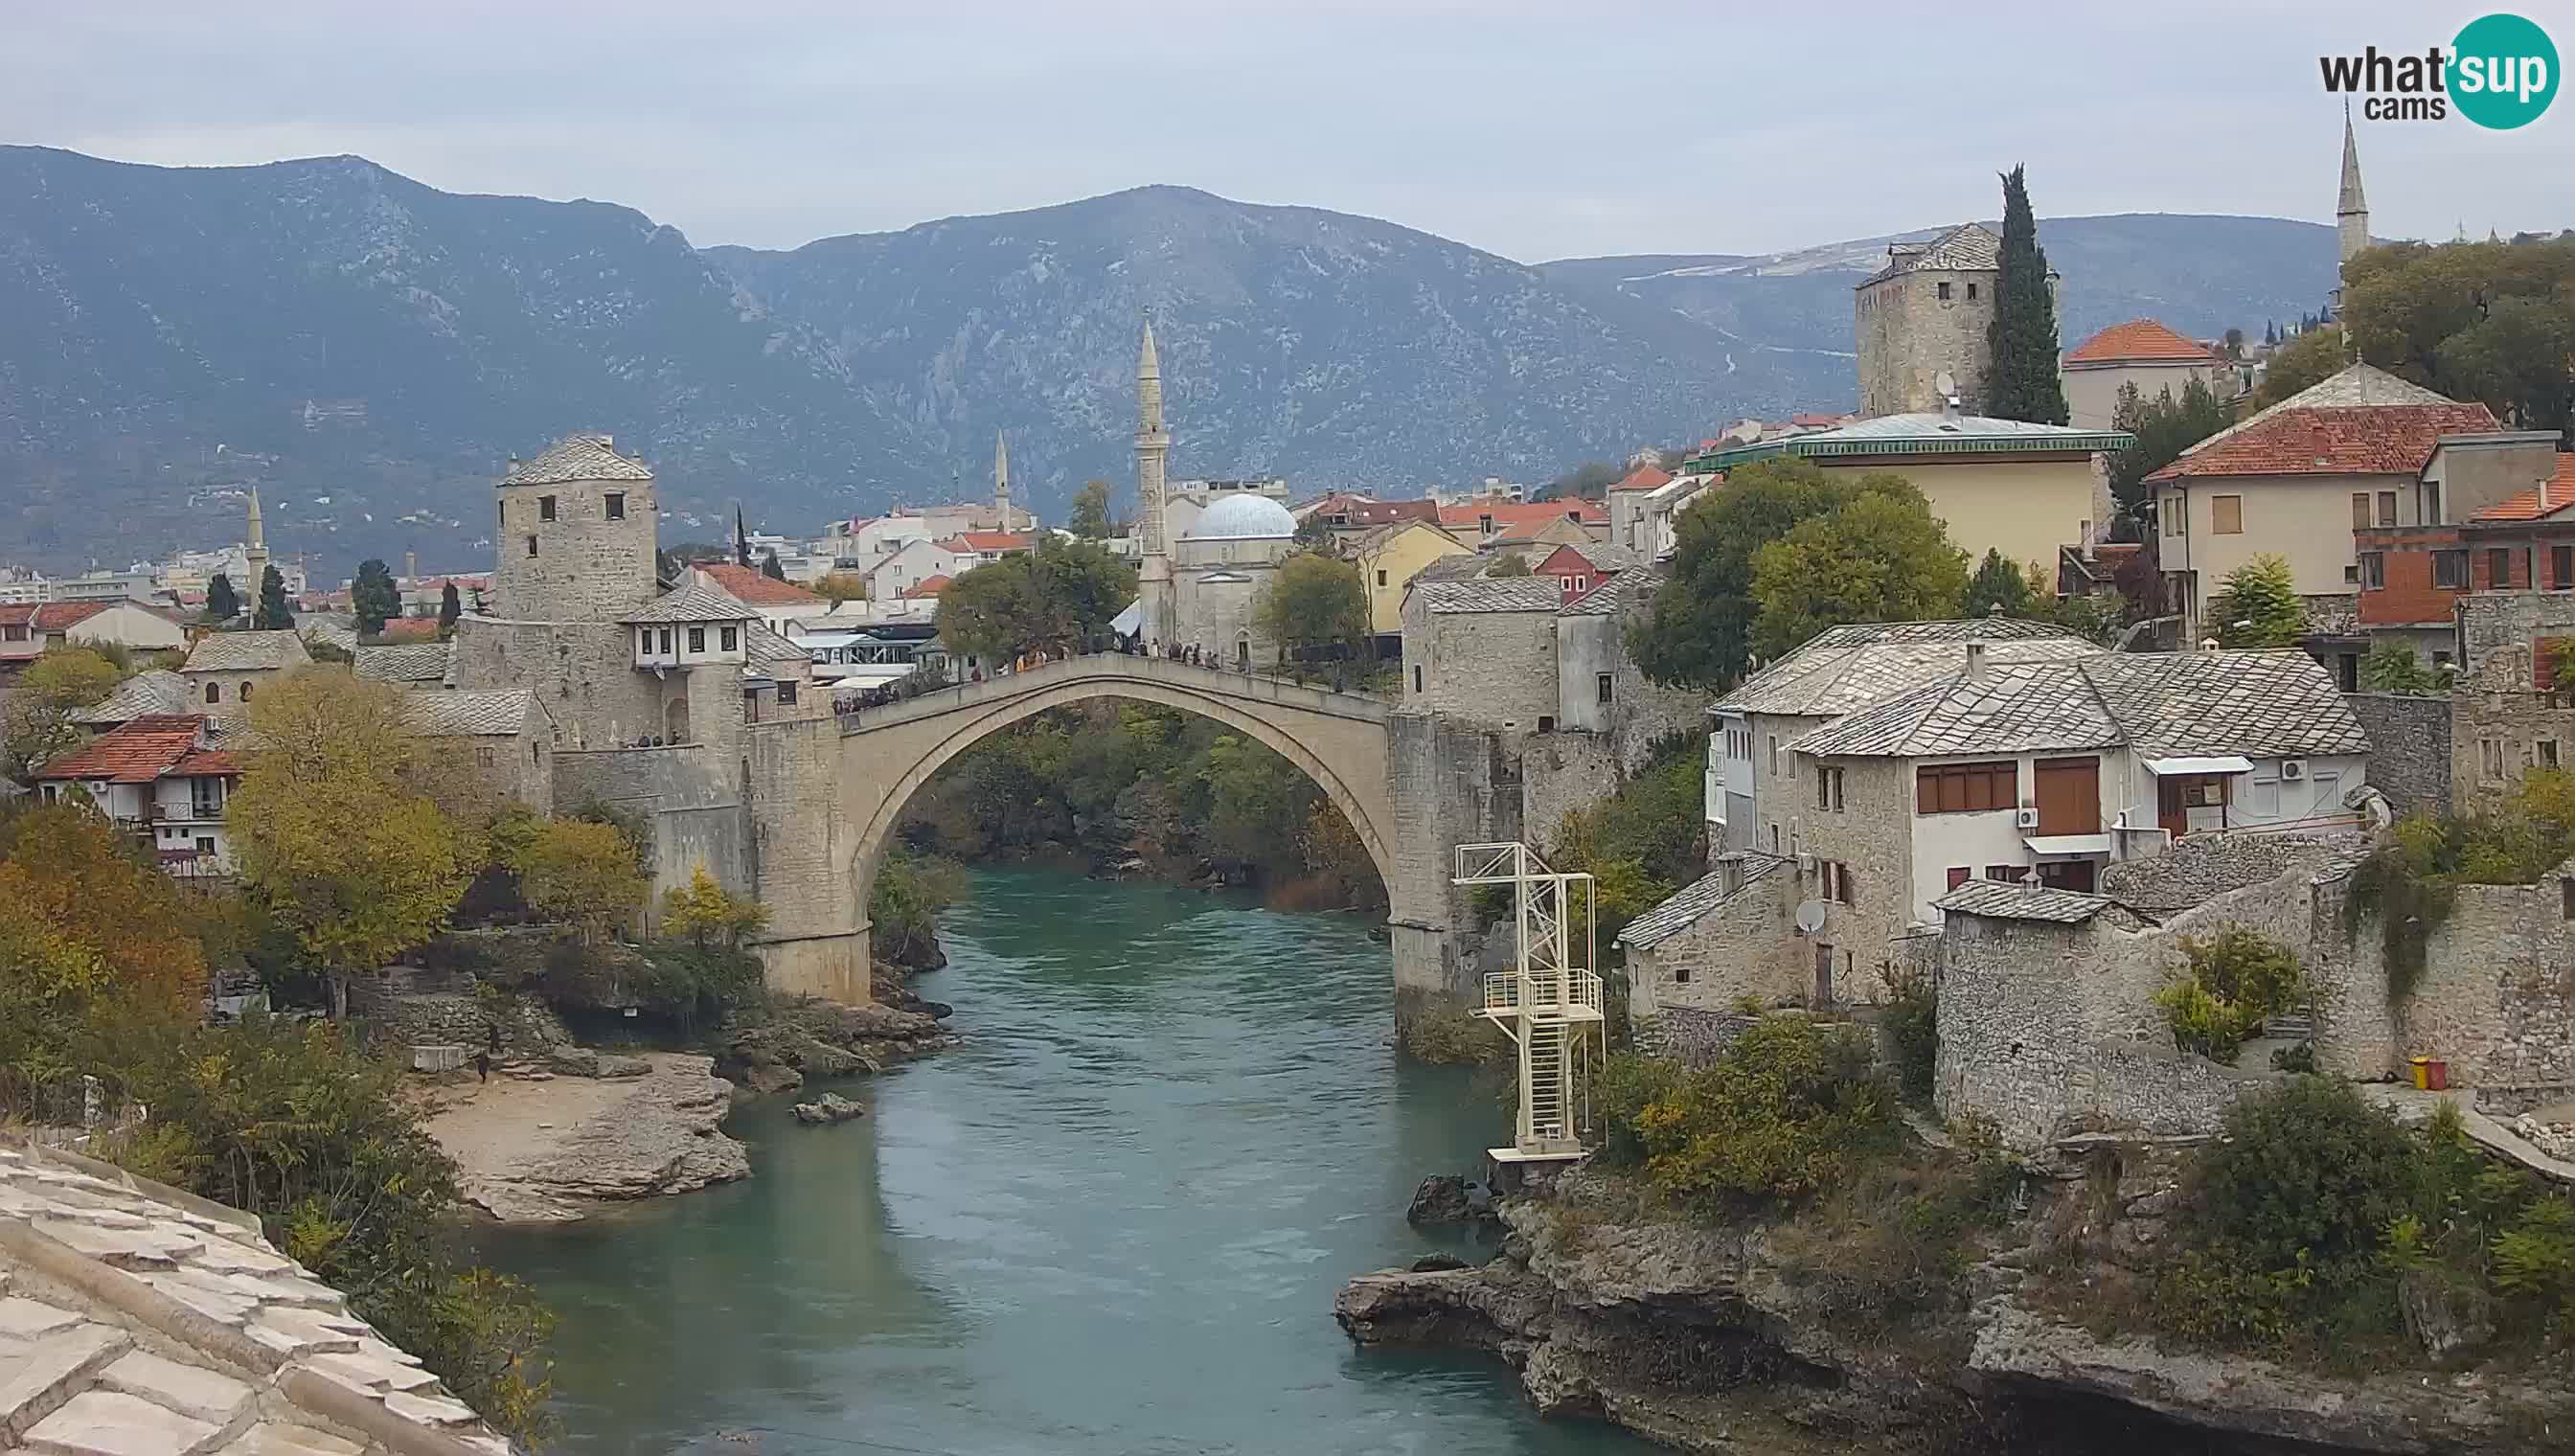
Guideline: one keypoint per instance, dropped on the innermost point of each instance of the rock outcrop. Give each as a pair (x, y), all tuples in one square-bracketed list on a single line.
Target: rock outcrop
[(826, 1039), (829, 1107), (659, 1137), (1710, 1339)]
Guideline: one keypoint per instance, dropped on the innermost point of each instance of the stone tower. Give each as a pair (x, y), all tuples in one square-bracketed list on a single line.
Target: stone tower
[(254, 557), (1152, 451), (579, 530), (2351, 210), (1924, 314), (1001, 482)]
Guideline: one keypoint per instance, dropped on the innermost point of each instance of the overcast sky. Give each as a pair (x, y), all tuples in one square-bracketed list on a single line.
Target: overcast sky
[(1533, 130)]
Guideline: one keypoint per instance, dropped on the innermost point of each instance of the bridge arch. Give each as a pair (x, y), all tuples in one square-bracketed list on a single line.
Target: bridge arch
[(1338, 740)]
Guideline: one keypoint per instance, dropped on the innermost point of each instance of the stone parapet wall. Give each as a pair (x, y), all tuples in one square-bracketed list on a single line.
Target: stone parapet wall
[(1560, 773), (583, 673), (2409, 749), (527, 1026), (2496, 999)]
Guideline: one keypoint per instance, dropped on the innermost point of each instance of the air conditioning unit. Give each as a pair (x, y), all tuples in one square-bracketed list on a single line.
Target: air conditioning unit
[(2292, 769), (2026, 818)]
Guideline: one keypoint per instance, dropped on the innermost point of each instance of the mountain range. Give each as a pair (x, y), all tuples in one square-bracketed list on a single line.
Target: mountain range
[(369, 350)]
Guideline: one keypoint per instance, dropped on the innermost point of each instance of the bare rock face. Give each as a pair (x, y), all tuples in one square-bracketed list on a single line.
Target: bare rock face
[(661, 1137), (829, 1107), (826, 1039)]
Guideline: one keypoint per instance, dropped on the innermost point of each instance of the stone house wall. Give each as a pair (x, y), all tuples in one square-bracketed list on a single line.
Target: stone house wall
[(2491, 621), (407, 1007), (1746, 946), (2499, 735), (583, 673), (2409, 749), (1870, 835), (1487, 667), (586, 568), (1449, 784), (1561, 773), (1908, 334), (693, 809), (2496, 999)]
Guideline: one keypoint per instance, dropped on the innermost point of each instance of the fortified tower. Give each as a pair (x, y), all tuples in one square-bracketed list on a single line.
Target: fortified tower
[(579, 530), (1925, 315), (1152, 451)]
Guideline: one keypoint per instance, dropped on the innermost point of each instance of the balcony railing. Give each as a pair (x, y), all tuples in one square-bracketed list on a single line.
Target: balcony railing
[(1508, 990)]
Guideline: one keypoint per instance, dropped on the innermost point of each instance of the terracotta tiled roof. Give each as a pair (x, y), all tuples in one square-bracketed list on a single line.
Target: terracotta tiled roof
[(748, 585), (137, 752), (2139, 338), (1513, 518), (1388, 513), (991, 540), (1820, 422), (2531, 505), (207, 763), (409, 630), (2339, 440), (53, 616), (928, 587), (1644, 477)]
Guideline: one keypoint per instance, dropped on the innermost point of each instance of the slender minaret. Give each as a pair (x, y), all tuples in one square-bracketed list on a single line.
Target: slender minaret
[(2351, 210), (1152, 447), (254, 555), (1001, 482)]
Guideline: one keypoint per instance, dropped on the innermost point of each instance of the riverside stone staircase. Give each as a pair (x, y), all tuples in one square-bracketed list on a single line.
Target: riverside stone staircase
[(136, 1320)]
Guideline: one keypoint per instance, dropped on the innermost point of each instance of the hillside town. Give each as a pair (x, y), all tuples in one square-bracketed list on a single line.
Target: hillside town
[(2056, 801)]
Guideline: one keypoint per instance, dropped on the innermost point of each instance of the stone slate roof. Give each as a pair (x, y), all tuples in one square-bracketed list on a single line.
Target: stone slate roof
[(1999, 901), (424, 661), (2258, 704), (1621, 593), (136, 1318), (1694, 899), (153, 691), (1492, 594), (767, 648), (694, 604), (1966, 248), (576, 458), (445, 715), (1846, 668), (243, 652)]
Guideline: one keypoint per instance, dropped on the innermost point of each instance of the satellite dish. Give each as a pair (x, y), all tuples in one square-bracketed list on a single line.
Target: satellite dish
[(1810, 917), (1947, 382)]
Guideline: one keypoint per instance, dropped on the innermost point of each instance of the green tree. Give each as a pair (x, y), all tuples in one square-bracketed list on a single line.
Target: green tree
[(1315, 533), (1313, 601), (770, 568), (581, 873), (2024, 384), (374, 597), (2492, 322), (1056, 597), (273, 615), (1090, 519), (838, 587), (223, 604), (904, 905), (2164, 427), (36, 717), (2309, 359), (1698, 632), (1511, 563), (332, 830), (2394, 668), (1589, 481), (1997, 587), (2234, 344), (2258, 606), (1881, 556), (450, 609)]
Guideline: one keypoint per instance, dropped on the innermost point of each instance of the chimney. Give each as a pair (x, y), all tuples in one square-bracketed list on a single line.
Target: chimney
[(1975, 661)]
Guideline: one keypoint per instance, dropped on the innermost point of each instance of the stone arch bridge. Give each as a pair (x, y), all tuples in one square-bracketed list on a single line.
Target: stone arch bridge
[(824, 809)]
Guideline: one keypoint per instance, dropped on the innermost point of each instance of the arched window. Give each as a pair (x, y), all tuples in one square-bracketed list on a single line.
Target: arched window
[(245, 691), (214, 692)]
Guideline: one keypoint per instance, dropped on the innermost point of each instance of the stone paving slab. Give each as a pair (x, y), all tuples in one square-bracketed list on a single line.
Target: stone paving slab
[(271, 1439), (30, 1319), (112, 1423), (183, 1388)]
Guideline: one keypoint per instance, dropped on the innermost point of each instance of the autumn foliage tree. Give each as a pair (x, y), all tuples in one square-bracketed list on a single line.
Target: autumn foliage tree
[(581, 873), (85, 922), (1313, 601), (332, 829)]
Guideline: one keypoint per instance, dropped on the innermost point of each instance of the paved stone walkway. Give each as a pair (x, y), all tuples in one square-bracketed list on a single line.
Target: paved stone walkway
[(136, 1320)]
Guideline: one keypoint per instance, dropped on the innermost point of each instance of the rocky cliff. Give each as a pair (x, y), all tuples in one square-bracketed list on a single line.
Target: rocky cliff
[(1730, 1339)]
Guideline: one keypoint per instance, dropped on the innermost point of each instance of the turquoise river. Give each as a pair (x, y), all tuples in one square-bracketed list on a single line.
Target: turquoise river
[(1112, 1221)]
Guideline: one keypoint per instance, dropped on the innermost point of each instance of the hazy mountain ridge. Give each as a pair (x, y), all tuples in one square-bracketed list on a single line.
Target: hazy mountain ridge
[(369, 349)]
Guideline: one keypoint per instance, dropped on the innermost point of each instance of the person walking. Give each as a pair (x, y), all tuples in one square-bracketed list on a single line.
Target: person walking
[(483, 1066)]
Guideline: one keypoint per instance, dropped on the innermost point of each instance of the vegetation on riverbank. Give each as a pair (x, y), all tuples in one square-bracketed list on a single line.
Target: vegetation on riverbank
[(1108, 782)]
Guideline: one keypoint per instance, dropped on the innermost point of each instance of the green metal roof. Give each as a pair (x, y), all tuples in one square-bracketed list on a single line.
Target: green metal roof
[(1923, 435)]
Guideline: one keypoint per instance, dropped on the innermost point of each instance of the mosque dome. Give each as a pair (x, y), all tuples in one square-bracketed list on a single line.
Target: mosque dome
[(1243, 518)]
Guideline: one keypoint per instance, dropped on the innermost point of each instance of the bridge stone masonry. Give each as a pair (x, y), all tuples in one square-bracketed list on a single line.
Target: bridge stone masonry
[(825, 796)]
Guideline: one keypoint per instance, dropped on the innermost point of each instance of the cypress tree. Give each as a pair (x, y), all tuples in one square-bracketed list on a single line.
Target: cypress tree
[(770, 568), (223, 604), (2024, 384), (450, 608), (374, 597), (272, 614)]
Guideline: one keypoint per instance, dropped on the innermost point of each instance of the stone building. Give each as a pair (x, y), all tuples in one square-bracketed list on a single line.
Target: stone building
[(1388, 557), (1926, 314), (1484, 650), (1223, 563), (225, 668), (500, 742)]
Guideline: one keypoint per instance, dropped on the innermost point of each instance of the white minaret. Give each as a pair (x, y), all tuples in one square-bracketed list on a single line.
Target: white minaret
[(1152, 447), (254, 557), (2351, 209), (1001, 482)]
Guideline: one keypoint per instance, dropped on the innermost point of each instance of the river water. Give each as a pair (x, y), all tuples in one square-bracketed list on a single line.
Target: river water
[(1110, 1223)]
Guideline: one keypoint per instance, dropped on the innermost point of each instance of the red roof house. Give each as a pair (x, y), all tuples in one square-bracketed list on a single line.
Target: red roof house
[(2139, 339)]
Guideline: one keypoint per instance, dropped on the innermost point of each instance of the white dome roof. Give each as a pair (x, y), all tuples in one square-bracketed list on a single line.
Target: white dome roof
[(1243, 518)]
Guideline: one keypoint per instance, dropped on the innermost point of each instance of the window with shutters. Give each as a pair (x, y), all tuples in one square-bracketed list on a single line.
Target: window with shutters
[(2499, 569), (2005, 873), (2360, 510), (2561, 568), (2226, 515), (1966, 787), (2387, 508), (1960, 874)]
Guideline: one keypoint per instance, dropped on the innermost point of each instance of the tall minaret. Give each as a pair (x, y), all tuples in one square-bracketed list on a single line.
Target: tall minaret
[(1001, 482), (2351, 210), (254, 554), (1152, 447)]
